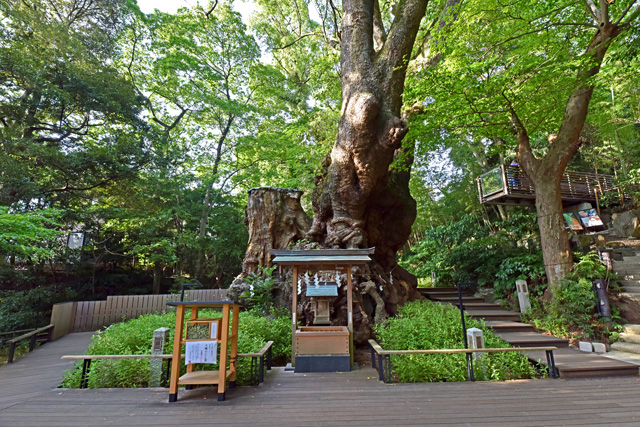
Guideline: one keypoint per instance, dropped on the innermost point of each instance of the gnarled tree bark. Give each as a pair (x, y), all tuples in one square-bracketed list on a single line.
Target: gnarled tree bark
[(359, 202), (275, 220)]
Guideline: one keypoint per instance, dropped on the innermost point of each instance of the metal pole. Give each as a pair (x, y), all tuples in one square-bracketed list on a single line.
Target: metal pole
[(468, 356)]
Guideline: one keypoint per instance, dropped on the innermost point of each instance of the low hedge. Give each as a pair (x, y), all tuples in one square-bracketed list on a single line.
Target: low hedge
[(135, 337), (425, 325)]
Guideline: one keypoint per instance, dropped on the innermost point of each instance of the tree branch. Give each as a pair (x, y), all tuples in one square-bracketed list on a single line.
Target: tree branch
[(604, 11), (297, 40), (211, 9), (633, 15), (593, 11), (379, 33)]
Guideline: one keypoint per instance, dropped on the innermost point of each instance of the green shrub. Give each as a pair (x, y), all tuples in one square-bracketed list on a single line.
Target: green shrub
[(470, 250), (135, 337), (424, 325), (30, 308), (527, 267), (572, 310), (262, 286)]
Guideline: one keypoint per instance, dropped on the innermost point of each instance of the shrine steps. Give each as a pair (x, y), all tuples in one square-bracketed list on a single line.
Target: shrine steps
[(570, 362)]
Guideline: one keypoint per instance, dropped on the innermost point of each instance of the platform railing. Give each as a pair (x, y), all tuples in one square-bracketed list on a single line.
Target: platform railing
[(381, 358)]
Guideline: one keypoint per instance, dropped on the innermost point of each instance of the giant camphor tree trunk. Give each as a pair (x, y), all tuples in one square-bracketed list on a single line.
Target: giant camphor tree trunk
[(275, 220), (359, 202), (546, 172)]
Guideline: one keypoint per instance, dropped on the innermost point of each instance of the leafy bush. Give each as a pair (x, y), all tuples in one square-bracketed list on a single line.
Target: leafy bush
[(572, 310), (424, 325), (526, 267), (262, 286), (469, 250), (135, 337), (30, 308)]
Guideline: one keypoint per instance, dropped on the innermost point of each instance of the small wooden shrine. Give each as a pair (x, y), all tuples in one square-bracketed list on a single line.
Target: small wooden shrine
[(321, 348), (206, 341), (322, 295)]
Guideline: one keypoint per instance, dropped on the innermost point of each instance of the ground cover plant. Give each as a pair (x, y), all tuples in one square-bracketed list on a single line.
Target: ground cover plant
[(135, 337), (425, 325)]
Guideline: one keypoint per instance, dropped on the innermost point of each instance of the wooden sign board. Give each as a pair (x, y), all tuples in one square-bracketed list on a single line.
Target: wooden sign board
[(202, 330)]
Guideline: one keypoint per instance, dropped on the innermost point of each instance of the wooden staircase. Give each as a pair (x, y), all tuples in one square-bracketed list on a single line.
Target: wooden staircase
[(570, 363)]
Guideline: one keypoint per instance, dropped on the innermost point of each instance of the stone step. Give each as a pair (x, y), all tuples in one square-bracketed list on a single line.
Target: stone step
[(626, 347), (629, 277), (494, 315), (476, 305), (532, 339), (631, 295), (508, 326), (626, 283), (454, 300), (630, 338), (627, 271), (572, 363), (631, 329), (446, 290), (439, 295)]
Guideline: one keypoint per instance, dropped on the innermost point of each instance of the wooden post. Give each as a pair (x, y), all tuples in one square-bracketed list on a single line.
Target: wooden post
[(224, 342), (294, 311), (233, 361), (194, 316), (350, 311), (177, 351)]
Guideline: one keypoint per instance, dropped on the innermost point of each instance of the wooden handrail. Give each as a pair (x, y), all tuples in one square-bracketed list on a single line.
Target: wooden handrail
[(28, 334), (257, 377), (17, 332), (382, 353), (260, 353), (33, 335), (116, 356)]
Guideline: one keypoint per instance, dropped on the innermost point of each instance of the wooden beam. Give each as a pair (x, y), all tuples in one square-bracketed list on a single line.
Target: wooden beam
[(294, 311), (350, 311)]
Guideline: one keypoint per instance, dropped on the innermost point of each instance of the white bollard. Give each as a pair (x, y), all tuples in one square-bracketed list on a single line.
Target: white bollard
[(523, 296), (160, 338), (475, 338)]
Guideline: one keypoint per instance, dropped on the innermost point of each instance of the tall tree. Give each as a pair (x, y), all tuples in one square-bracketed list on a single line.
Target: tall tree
[(525, 70), (68, 121)]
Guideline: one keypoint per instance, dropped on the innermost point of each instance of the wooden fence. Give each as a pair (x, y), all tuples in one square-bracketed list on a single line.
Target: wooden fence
[(81, 316)]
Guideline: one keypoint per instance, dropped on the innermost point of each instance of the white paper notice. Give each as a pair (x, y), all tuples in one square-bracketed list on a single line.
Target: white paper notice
[(201, 352), (214, 330)]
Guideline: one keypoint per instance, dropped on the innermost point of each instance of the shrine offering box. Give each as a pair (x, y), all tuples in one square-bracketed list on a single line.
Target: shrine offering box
[(202, 330), (322, 340)]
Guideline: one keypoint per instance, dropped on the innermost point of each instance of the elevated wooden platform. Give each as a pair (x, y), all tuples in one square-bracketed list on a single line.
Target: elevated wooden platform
[(509, 185)]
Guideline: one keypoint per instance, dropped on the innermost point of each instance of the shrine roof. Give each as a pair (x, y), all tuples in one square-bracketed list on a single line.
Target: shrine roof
[(322, 256), (324, 289)]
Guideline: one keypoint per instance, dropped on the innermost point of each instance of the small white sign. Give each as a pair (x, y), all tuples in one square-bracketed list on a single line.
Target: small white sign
[(214, 331), (201, 352)]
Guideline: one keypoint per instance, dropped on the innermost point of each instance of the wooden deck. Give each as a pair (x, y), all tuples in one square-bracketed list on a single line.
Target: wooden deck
[(29, 397), (509, 185), (354, 398), (40, 370)]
